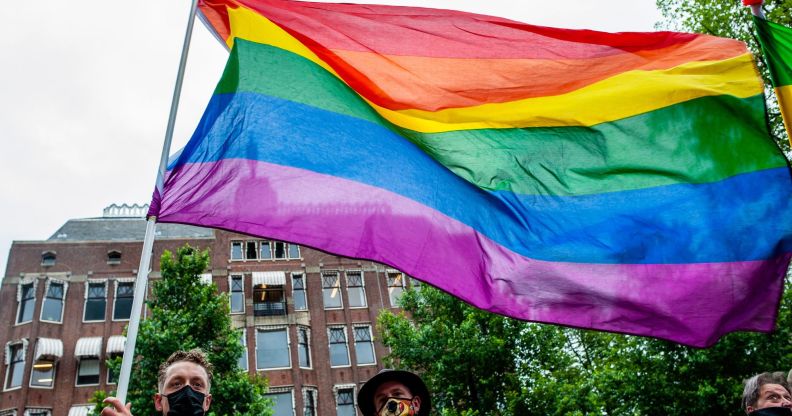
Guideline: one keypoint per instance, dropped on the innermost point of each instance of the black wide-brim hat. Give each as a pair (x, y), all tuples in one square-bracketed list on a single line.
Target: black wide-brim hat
[(417, 387)]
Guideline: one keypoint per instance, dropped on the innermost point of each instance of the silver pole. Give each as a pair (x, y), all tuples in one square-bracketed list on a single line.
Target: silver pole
[(148, 241)]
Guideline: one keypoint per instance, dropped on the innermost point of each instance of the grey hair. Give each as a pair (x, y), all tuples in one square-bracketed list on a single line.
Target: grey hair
[(754, 384)]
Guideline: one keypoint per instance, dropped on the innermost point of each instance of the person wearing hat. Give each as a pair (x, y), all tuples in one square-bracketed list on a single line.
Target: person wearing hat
[(394, 393)]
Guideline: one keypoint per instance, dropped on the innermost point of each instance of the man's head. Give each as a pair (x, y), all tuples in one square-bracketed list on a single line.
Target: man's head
[(394, 393), (766, 390), (183, 384)]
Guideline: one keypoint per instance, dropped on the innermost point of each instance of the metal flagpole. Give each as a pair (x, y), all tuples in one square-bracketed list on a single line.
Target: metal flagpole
[(148, 240)]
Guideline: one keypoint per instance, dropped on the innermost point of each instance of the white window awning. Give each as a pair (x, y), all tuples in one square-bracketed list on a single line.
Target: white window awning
[(115, 344), (80, 410), (88, 347), (269, 278), (51, 348)]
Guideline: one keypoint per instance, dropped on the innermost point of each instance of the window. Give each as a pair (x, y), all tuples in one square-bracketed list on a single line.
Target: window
[(281, 403), (345, 402), (395, 286), (95, 301), (122, 308), (243, 359), (38, 412), (294, 251), (266, 250), (309, 397), (15, 364), (113, 257), (304, 346), (237, 294), (331, 290), (88, 372), (26, 296), (250, 250), (298, 292), (356, 293), (52, 308), (112, 375), (279, 250), (415, 284), (43, 374), (48, 258), (269, 300), (364, 346), (339, 353), (272, 348), (236, 250)]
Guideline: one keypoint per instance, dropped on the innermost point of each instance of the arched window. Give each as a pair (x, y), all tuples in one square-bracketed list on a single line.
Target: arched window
[(48, 258), (113, 257)]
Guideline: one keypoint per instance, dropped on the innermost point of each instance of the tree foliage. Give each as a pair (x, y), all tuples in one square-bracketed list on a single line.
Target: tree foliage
[(476, 363), (186, 314), (730, 19)]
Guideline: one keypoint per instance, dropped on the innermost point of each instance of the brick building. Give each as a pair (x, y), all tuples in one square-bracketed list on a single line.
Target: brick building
[(307, 318)]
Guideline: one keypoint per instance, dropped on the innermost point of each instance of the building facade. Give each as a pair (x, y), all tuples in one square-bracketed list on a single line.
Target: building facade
[(307, 318)]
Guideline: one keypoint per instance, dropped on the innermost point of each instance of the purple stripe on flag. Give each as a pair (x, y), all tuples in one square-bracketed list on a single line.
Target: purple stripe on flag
[(692, 304)]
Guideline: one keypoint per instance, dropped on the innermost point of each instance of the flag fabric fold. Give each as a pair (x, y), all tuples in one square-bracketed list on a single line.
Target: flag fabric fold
[(776, 41), (622, 182)]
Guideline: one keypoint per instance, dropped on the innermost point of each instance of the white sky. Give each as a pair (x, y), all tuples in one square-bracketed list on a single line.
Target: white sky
[(85, 91)]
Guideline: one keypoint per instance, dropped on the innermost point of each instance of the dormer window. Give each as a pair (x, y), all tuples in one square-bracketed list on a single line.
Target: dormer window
[(113, 257), (48, 258)]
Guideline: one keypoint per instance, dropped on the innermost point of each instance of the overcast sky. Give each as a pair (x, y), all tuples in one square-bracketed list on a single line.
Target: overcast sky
[(85, 90)]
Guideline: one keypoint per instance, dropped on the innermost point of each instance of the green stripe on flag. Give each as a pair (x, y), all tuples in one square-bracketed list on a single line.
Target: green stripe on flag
[(776, 43)]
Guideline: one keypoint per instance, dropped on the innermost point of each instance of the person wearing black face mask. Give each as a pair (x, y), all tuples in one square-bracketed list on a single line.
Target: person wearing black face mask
[(394, 393), (767, 394), (183, 383)]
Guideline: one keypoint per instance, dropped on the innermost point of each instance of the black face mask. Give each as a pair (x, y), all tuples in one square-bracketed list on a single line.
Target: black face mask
[(186, 402), (772, 411)]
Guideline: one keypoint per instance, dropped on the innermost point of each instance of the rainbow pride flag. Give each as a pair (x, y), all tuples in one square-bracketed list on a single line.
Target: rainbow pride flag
[(623, 182)]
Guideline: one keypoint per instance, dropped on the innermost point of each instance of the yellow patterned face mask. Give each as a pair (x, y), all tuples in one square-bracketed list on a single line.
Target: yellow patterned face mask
[(396, 406)]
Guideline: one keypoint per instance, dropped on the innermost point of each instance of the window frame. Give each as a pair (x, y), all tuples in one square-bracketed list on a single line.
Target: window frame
[(262, 291), (388, 274), (243, 341), (303, 290), (274, 250), (273, 328), (307, 344), (108, 371), (362, 288), (64, 290), (49, 258), (118, 283), (231, 291), (54, 374), (330, 342), (20, 301), (87, 297), (22, 344), (98, 371), (370, 342), (281, 391), (288, 251), (314, 400), (241, 251), (114, 257), (337, 274), (337, 389)]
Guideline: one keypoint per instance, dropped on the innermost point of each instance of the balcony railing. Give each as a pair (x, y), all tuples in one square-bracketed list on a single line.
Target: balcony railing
[(269, 308)]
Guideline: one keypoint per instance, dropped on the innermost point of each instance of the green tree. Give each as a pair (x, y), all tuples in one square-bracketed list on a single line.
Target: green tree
[(730, 19), (477, 363), (186, 314)]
